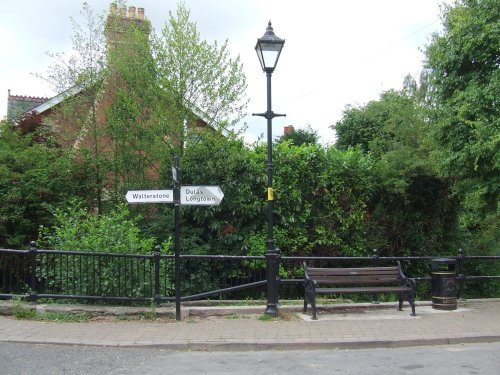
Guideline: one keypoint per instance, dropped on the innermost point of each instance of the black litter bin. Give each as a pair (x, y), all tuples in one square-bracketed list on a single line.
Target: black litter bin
[(444, 289)]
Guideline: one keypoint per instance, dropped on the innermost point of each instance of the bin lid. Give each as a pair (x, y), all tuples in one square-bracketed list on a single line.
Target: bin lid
[(444, 260)]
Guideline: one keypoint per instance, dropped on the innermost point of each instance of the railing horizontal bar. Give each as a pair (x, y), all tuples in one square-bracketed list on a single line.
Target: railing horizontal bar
[(291, 281), (167, 299), (236, 257), (104, 255), (481, 277), (225, 290), (8, 296), (223, 257), (313, 258), (411, 258), (12, 251), (101, 298), (291, 258)]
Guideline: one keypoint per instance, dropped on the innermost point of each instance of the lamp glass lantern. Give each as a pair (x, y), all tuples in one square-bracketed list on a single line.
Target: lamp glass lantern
[(268, 49)]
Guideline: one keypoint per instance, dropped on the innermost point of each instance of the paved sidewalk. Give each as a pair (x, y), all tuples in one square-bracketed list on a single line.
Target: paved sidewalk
[(360, 326)]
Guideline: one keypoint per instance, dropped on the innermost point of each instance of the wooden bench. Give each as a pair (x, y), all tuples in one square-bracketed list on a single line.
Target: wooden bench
[(357, 280)]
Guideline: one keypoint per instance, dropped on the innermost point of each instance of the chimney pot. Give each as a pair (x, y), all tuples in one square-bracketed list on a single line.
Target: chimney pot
[(112, 8), (289, 129), (131, 12), (123, 11), (140, 13)]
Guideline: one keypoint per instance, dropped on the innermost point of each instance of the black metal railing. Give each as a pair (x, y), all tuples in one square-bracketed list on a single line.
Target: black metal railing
[(37, 274), (55, 274), (203, 276)]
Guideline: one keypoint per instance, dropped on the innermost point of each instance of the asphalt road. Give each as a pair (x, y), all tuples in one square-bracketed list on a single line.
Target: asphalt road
[(464, 359)]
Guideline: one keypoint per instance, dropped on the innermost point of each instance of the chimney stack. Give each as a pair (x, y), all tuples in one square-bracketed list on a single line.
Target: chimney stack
[(120, 18), (140, 13), (131, 12), (289, 129)]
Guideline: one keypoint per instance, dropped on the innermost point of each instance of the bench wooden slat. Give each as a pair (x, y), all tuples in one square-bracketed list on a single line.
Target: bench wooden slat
[(357, 280), (352, 271), (361, 290), (347, 269)]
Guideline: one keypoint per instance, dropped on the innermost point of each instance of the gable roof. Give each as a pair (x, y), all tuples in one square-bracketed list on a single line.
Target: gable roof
[(19, 104), (50, 103)]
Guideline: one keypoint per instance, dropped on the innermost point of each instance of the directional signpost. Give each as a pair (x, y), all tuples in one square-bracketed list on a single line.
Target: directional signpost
[(180, 196), (201, 195), (150, 196), (190, 196)]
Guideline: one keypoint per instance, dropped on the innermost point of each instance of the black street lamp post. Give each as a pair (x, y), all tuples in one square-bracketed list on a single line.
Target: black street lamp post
[(268, 50)]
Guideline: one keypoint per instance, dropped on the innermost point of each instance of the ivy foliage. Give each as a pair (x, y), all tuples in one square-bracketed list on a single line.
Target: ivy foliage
[(33, 177), (77, 229), (320, 197)]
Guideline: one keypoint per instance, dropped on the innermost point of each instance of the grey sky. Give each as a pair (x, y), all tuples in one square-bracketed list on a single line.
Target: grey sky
[(336, 52)]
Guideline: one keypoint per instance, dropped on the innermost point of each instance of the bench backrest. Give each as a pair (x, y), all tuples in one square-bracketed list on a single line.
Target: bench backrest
[(358, 276)]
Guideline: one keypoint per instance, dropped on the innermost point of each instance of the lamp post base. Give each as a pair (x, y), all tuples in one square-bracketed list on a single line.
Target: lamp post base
[(271, 310), (273, 281)]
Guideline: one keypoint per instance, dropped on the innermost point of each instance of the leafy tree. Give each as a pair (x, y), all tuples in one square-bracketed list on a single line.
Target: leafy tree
[(358, 127), (200, 79), (175, 81), (137, 137), (301, 136), (397, 120), (410, 211), (128, 103), (79, 78), (464, 79)]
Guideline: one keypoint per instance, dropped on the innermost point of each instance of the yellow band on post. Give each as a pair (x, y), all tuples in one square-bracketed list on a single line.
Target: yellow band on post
[(270, 196)]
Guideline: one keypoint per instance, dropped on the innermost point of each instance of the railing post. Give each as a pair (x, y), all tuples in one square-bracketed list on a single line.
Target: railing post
[(461, 276), (156, 259), (375, 262), (33, 264)]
